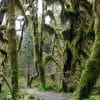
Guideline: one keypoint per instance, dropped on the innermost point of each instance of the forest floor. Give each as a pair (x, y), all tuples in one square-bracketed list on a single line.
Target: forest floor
[(47, 95)]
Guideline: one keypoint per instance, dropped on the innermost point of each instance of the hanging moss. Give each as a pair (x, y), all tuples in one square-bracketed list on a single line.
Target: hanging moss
[(92, 69)]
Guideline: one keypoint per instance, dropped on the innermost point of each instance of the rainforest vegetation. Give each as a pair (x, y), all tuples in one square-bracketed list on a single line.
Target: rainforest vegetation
[(49, 49)]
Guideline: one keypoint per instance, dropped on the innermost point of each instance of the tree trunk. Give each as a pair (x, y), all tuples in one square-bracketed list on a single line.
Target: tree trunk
[(13, 48), (92, 70), (41, 67), (66, 69), (36, 37)]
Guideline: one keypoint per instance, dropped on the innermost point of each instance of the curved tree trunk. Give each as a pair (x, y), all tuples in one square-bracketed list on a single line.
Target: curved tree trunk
[(13, 48), (92, 70)]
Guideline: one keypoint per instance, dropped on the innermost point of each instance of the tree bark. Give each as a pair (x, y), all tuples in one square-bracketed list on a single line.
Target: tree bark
[(13, 48)]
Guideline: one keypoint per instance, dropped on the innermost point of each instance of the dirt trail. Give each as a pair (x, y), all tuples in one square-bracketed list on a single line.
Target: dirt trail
[(39, 95)]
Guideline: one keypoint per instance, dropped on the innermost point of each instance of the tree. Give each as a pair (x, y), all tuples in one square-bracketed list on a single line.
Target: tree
[(36, 35), (41, 67), (92, 70), (75, 12), (13, 48)]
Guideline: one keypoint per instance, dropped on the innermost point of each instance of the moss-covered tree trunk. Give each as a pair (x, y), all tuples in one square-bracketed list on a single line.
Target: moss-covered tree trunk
[(13, 48), (36, 37), (92, 70), (41, 67), (38, 49)]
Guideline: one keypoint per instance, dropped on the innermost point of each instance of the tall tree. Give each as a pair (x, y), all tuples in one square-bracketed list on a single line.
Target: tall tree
[(36, 35), (13, 48), (38, 41), (41, 67), (75, 12)]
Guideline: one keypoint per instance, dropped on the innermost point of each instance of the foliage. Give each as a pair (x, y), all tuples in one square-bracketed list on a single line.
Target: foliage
[(54, 87), (40, 87)]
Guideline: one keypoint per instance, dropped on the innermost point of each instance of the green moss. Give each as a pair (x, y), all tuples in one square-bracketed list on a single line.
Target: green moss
[(92, 69), (13, 48), (40, 87), (54, 87)]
